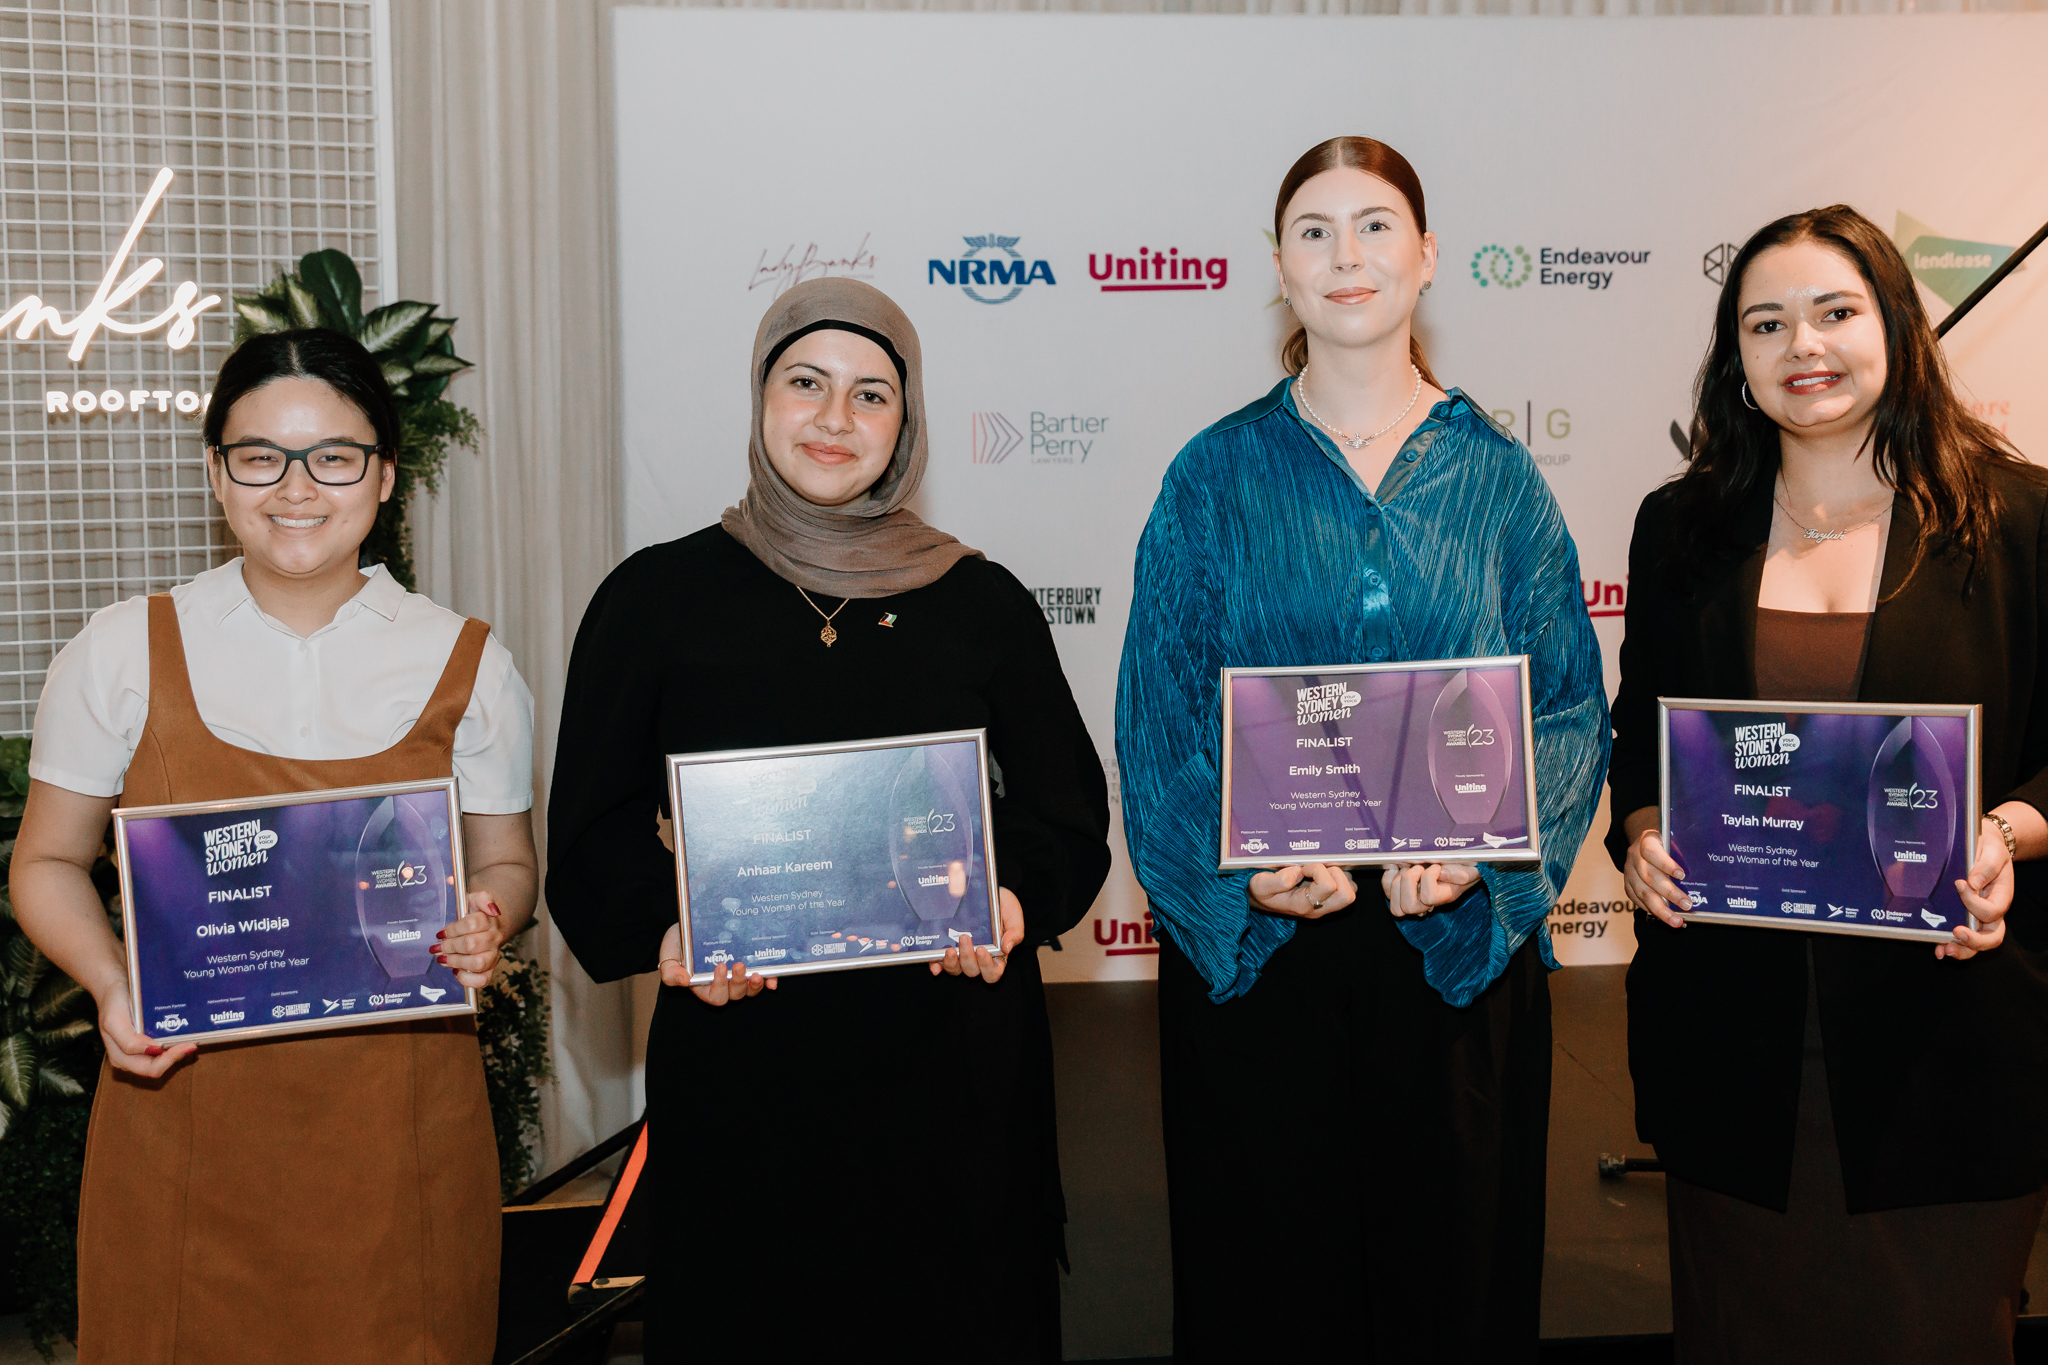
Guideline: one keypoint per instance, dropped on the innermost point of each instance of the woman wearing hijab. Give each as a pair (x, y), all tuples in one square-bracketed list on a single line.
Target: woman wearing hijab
[(331, 1197), (851, 1165), (1325, 1042)]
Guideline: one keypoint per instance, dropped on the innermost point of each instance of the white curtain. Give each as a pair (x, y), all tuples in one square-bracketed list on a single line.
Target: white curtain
[(504, 177)]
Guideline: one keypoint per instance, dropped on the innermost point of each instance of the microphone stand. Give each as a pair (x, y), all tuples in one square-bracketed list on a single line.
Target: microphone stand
[(2006, 267)]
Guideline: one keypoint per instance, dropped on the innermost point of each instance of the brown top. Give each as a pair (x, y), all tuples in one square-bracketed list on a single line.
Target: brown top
[(1810, 655), (384, 1129)]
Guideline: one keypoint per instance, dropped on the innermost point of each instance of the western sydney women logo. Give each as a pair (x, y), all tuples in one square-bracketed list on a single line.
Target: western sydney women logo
[(231, 848), (991, 262)]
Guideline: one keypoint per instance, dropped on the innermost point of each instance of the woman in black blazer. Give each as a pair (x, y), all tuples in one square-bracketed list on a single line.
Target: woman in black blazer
[(1855, 1129)]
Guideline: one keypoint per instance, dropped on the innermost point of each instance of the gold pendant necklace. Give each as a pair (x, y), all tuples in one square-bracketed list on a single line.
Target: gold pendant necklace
[(828, 635), (1817, 535)]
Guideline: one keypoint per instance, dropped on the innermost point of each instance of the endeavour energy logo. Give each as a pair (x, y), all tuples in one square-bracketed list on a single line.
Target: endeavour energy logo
[(1950, 267), (1500, 267), (991, 270)]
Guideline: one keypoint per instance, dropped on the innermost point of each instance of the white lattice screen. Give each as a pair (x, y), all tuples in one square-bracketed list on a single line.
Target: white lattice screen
[(267, 112)]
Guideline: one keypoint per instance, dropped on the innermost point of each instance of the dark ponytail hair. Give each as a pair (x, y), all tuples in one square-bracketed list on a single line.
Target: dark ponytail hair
[(1358, 154), (1923, 441), (338, 361)]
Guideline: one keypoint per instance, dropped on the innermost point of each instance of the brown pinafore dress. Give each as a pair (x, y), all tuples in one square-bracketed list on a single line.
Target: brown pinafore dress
[(326, 1197)]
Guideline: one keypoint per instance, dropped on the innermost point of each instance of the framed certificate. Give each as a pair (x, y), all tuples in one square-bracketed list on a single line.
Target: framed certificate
[(1842, 817), (285, 914), (1431, 761), (819, 857)]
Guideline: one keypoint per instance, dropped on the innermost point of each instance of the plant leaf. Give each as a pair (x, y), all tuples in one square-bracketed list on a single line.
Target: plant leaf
[(385, 327), (439, 328), (17, 1068), (333, 279), (6, 1118), (54, 996), (64, 1033), (432, 363), (58, 1083), (395, 374), (24, 965), (305, 306), (261, 315)]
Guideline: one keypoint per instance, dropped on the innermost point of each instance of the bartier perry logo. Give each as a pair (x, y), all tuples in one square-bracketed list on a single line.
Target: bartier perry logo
[(990, 263)]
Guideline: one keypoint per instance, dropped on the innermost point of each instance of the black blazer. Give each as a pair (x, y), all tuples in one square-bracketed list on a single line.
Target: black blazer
[(1937, 1070)]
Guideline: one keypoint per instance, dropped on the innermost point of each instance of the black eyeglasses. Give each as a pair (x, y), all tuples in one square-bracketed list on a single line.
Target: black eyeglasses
[(259, 464)]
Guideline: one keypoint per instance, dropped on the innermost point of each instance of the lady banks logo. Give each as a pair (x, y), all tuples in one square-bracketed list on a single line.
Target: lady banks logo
[(1497, 266), (989, 271)]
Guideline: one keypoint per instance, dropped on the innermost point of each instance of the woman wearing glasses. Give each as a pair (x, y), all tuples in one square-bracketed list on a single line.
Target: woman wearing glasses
[(331, 1196)]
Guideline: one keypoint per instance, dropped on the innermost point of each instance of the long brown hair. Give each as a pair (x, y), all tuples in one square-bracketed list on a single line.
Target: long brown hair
[(1923, 441), (1358, 154)]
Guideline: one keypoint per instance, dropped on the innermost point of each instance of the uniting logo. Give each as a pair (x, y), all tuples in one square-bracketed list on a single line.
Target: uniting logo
[(1950, 267), (1151, 272), (1510, 267), (1604, 598), (992, 262)]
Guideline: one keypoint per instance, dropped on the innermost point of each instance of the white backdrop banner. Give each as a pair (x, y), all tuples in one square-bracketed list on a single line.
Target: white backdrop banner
[(1074, 210)]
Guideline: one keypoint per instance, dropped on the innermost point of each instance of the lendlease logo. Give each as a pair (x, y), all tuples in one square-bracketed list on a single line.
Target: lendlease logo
[(1055, 437), (992, 264), (1495, 266), (1950, 267), (1152, 271)]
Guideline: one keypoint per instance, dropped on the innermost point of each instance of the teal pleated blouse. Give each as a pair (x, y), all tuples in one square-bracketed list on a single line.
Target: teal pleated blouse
[(1265, 549)]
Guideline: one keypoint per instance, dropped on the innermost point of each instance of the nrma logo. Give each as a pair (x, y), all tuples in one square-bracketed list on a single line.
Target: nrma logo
[(990, 264)]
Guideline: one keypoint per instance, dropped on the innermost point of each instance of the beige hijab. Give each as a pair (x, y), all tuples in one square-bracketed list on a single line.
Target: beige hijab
[(875, 545)]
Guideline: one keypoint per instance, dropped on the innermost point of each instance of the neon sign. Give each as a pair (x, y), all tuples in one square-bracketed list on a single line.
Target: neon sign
[(181, 317)]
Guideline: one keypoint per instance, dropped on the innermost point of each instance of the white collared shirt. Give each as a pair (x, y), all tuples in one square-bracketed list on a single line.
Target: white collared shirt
[(350, 689)]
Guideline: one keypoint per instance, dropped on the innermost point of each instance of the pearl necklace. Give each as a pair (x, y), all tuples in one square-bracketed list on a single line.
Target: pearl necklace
[(1355, 442)]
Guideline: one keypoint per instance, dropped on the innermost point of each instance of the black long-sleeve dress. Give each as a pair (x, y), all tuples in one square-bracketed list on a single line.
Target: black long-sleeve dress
[(859, 1164)]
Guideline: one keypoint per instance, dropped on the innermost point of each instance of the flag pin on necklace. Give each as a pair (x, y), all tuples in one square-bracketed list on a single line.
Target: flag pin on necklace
[(888, 618)]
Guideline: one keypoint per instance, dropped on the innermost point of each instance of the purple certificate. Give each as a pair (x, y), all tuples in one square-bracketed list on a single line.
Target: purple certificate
[(283, 914), (818, 857), (1379, 763), (1850, 818)]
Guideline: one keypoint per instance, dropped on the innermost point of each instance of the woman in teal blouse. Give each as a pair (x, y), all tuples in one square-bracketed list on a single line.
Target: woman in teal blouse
[(1356, 1075)]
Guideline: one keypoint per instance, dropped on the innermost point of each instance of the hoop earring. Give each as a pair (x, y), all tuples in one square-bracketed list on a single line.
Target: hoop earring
[(1747, 402)]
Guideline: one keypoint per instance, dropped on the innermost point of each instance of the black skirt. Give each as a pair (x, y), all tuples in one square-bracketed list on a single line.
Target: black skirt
[(1355, 1168), (1752, 1286)]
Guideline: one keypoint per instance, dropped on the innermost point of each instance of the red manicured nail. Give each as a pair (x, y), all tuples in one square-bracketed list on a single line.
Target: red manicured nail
[(153, 1051), (491, 909), (442, 934)]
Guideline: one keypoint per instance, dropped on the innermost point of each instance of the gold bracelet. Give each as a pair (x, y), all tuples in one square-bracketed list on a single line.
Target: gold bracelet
[(665, 961), (2012, 843)]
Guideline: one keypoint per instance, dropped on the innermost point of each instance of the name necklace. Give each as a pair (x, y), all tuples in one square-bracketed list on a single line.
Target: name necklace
[(1812, 534), (1355, 442)]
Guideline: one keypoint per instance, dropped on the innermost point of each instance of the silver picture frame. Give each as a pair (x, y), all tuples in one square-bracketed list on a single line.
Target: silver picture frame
[(126, 816), (677, 763), (1971, 714), (1531, 852)]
